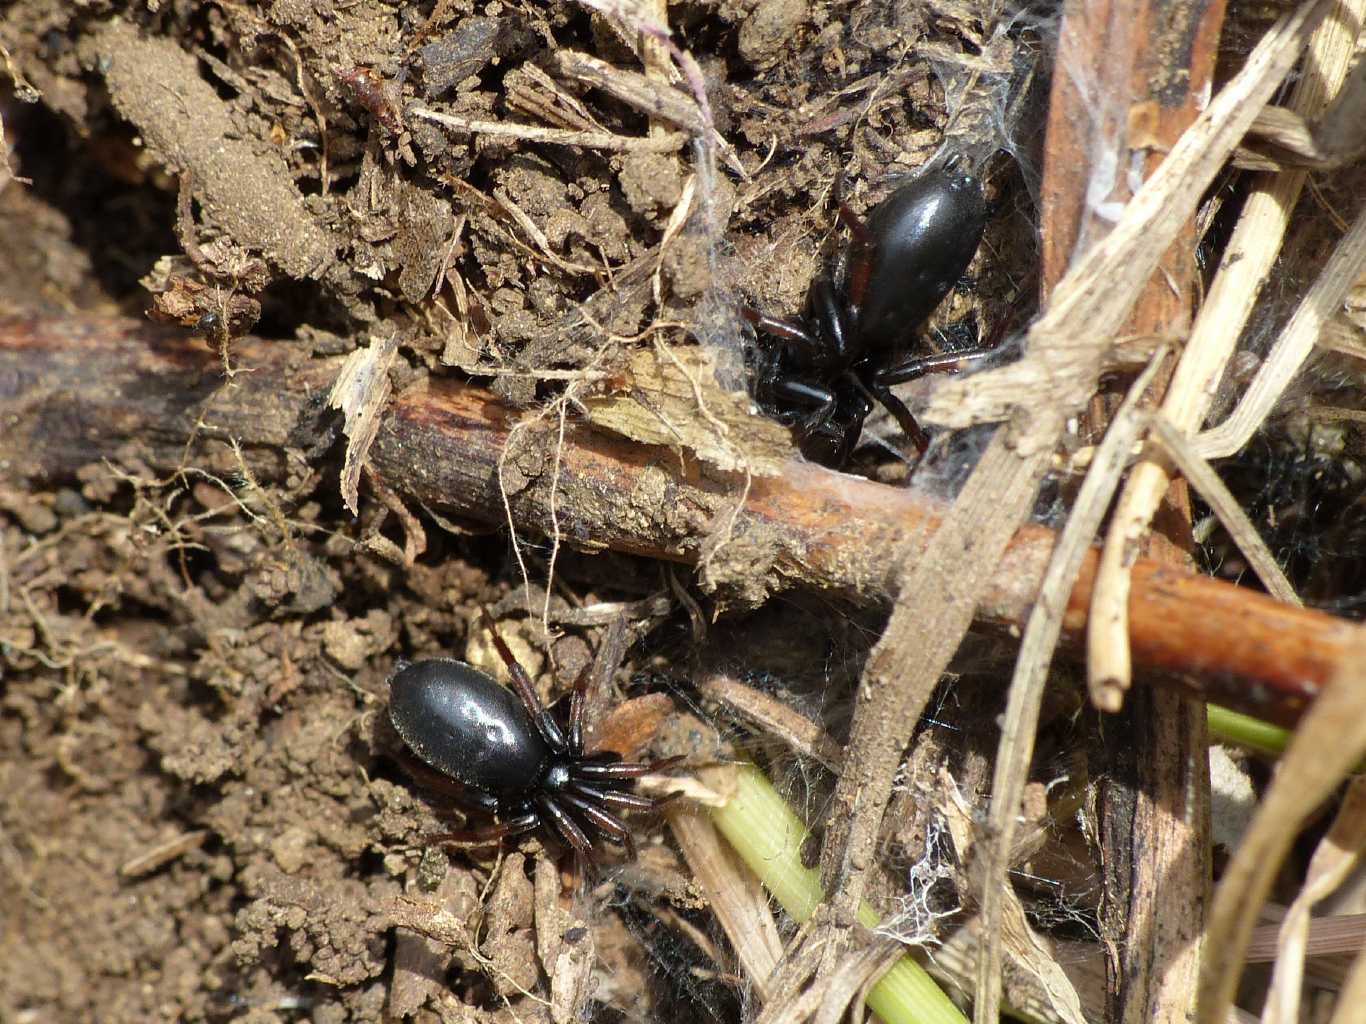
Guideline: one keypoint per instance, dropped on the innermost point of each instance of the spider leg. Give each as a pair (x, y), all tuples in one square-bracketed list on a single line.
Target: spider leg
[(861, 252), (880, 385), (604, 822), (428, 777), (665, 763), (577, 703), (787, 330), (621, 770), (613, 798), (521, 683), (825, 308), (923, 366), (851, 220), (566, 826), (913, 430), (472, 800), (623, 802), (439, 784), (518, 826)]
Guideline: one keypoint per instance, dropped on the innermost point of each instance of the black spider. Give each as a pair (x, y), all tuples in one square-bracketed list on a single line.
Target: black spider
[(823, 373), (509, 756)]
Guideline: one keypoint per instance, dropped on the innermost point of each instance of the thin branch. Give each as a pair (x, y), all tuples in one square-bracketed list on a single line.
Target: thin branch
[(440, 444)]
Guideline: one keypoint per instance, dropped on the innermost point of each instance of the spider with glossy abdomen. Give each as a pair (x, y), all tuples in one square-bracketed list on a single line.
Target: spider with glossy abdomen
[(509, 757), (822, 374)]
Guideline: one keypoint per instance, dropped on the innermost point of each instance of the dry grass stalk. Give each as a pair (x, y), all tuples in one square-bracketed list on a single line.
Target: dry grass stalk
[(1224, 505), (531, 91), (776, 718), (1352, 997), (1110, 668), (1326, 936), (734, 894), (645, 18), (1290, 139), (1157, 975), (1323, 301), (1033, 966), (851, 980), (1335, 858), (934, 609), (653, 94)]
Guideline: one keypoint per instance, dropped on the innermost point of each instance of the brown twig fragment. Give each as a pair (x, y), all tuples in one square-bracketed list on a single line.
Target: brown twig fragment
[(735, 895), (163, 853)]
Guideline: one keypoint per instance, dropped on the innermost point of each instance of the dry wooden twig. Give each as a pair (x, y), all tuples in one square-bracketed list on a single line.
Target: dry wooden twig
[(75, 391), (1028, 683)]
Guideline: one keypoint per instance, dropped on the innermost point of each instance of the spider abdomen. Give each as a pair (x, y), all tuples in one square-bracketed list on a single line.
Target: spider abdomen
[(926, 233), (465, 725)]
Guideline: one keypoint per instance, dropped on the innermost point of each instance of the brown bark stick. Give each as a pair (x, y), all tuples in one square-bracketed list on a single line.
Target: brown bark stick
[(74, 391)]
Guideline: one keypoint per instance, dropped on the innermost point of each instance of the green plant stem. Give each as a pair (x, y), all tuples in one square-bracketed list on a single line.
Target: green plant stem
[(768, 837), (1246, 731)]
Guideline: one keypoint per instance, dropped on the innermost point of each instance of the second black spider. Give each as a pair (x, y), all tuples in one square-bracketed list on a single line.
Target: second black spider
[(503, 752), (823, 373)]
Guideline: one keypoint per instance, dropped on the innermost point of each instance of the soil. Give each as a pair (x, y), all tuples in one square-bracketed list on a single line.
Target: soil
[(203, 813)]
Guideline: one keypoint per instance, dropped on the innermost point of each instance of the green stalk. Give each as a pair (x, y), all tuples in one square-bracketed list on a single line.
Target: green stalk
[(1246, 731), (768, 837)]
